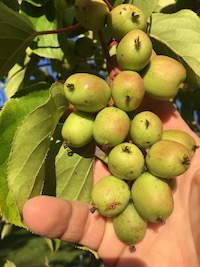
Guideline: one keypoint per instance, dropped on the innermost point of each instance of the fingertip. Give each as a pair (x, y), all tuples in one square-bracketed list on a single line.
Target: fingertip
[(41, 215)]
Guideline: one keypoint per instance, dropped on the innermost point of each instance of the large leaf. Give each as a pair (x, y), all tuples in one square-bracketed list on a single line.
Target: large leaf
[(74, 171), (16, 33), (30, 146), (14, 112), (178, 35)]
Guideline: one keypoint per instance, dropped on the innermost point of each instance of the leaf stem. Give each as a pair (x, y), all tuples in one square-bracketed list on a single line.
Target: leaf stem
[(58, 31), (108, 4), (112, 66)]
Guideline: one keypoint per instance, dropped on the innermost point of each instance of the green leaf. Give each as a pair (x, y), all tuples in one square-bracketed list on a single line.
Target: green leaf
[(13, 113), (74, 171), (16, 77), (145, 5), (9, 264), (16, 33), (30, 146), (46, 45), (178, 35)]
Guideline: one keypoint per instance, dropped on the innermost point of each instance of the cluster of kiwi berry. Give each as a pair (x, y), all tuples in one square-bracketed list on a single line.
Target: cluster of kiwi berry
[(142, 157)]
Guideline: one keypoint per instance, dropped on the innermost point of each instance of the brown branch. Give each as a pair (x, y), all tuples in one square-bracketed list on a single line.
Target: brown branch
[(58, 31), (108, 4)]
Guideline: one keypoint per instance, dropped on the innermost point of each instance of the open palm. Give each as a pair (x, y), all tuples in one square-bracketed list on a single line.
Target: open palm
[(174, 244)]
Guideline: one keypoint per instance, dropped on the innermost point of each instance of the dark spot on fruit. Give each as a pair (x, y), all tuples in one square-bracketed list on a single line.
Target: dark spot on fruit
[(70, 86), (70, 153), (137, 43), (126, 149), (113, 205), (132, 248), (186, 160), (135, 15), (65, 144), (160, 221), (194, 148), (147, 124), (124, 8), (93, 209), (127, 99)]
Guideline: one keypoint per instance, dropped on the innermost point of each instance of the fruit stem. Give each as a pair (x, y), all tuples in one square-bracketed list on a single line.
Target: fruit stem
[(57, 31), (108, 4), (112, 66)]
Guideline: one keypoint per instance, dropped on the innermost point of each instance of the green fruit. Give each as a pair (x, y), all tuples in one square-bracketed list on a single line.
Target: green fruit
[(91, 14), (127, 90), (84, 47), (125, 18), (168, 159), (152, 198), (182, 137), (129, 226), (77, 129), (163, 77), (146, 129), (110, 196), (111, 126), (134, 50), (126, 161), (87, 92)]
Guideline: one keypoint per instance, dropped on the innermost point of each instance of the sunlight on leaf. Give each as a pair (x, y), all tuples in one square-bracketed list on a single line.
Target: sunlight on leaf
[(178, 35), (24, 102), (30, 146)]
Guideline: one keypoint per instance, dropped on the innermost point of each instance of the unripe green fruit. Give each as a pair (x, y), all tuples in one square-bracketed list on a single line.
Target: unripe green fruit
[(84, 47), (125, 18), (168, 159), (110, 196), (134, 50), (182, 137), (152, 198), (111, 126), (126, 161), (127, 90), (91, 14), (77, 129), (129, 226), (87, 92), (146, 129), (163, 77)]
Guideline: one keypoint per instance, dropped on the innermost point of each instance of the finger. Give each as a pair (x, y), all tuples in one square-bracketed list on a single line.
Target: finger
[(68, 220)]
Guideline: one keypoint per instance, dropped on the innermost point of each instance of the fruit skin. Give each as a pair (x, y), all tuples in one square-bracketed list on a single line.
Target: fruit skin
[(129, 226), (126, 161), (77, 129), (163, 77), (134, 50), (110, 196), (91, 14), (152, 198), (111, 126), (84, 47), (124, 18), (128, 90), (87, 92), (146, 129), (182, 137), (167, 159)]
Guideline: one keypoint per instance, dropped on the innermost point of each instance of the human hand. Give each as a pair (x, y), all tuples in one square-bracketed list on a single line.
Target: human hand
[(176, 243)]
